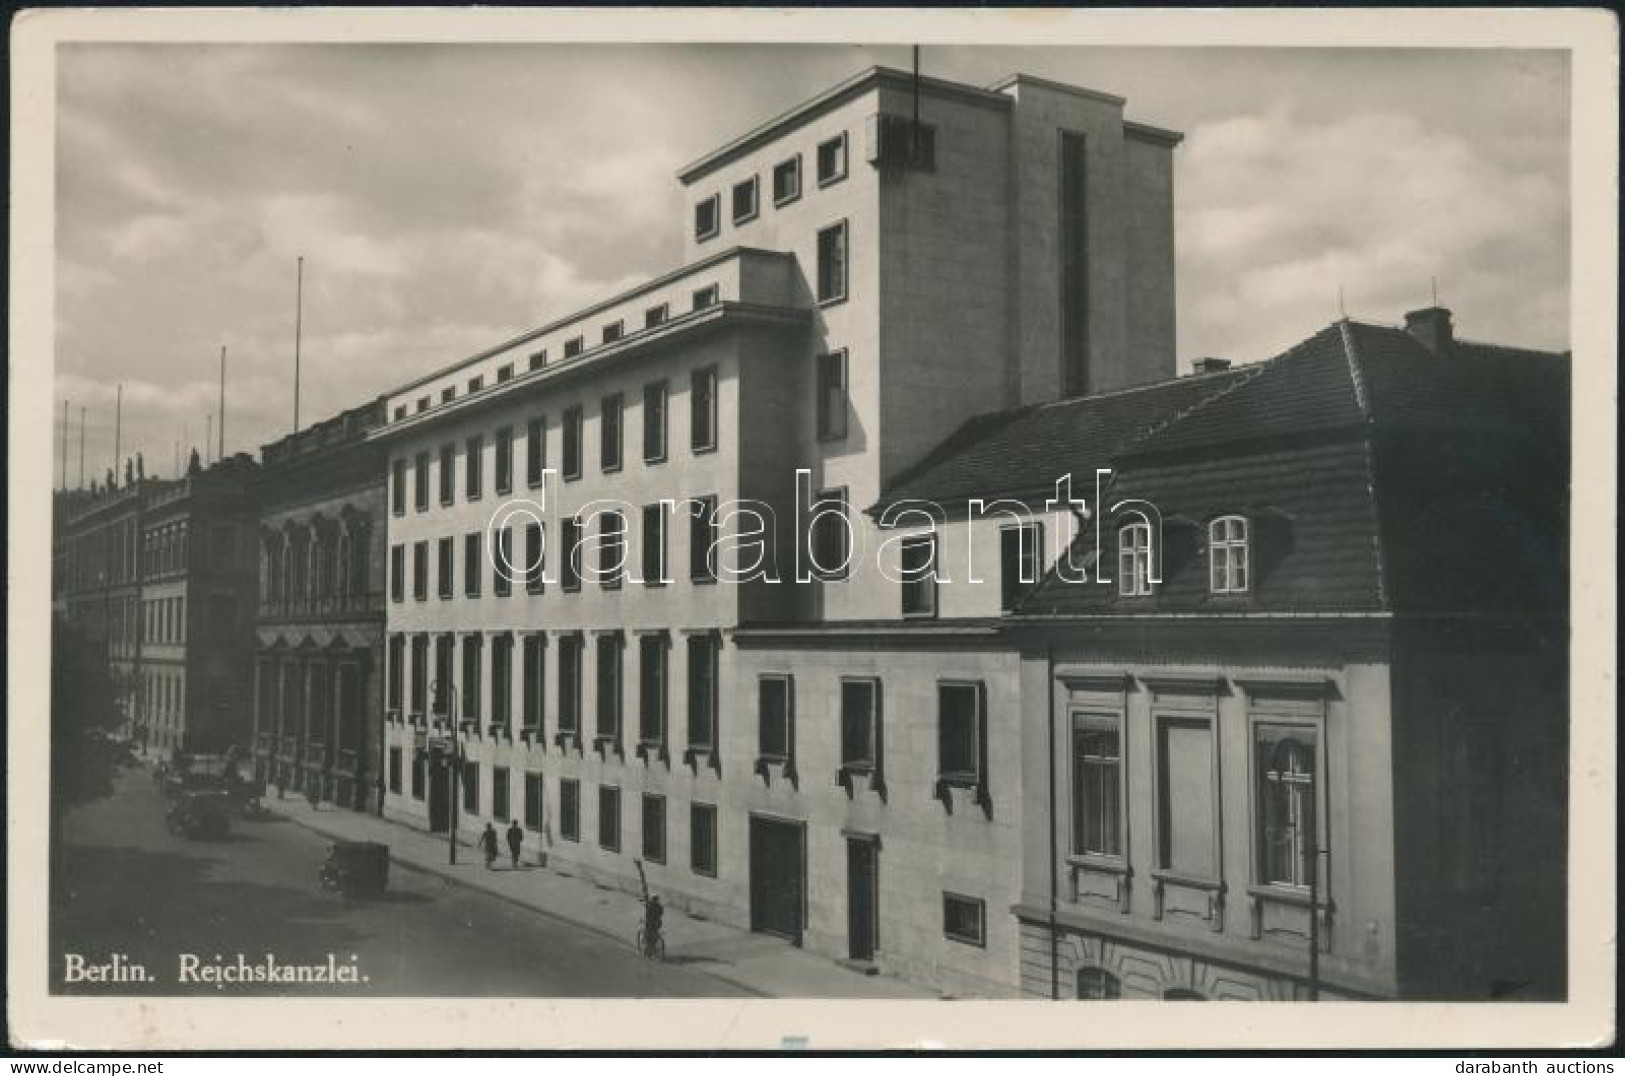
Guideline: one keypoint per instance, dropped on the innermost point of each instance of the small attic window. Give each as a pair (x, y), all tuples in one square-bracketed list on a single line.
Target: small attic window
[(1229, 555), (1134, 560)]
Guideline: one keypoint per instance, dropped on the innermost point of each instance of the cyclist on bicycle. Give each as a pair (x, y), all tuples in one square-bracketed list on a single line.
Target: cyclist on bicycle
[(653, 916)]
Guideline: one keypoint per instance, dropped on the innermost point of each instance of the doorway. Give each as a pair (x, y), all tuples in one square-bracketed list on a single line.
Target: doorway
[(862, 897), (777, 868), (439, 795)]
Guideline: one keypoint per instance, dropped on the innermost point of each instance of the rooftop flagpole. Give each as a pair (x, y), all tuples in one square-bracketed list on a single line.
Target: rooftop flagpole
[(298, 328)]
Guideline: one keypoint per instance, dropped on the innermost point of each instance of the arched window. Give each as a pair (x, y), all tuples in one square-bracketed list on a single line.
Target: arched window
[(342, 586), (1229, 561), (1097, 984), (1134, 559), (1287, 796)]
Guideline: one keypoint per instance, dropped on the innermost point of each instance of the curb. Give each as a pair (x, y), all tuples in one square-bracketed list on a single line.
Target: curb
[(508, 898)]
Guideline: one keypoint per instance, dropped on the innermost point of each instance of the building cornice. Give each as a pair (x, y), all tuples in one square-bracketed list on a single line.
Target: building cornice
[(720, 316), (1158, 136), (829, 100)]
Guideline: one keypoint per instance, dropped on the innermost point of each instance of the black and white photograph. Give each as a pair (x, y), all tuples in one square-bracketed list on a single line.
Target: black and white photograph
[(890, 513)]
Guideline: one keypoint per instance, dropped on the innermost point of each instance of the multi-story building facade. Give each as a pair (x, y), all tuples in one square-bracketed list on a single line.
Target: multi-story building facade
[(862, 275), (100, 540), (196, 607), (1295, 718), (318, 656)]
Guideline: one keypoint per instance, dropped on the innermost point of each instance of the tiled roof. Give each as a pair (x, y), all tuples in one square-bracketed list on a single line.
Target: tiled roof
[(1379, 476), (1022, 452)]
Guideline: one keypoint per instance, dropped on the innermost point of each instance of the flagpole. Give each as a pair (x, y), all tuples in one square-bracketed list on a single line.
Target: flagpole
[(222, 454), (298, 328)]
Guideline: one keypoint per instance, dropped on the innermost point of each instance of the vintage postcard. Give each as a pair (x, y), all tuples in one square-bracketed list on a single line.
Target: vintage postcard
[(811, 529)]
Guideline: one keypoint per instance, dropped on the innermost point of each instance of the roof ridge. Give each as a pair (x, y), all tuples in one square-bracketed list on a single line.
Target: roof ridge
[(1147, 386), (1351, 354)]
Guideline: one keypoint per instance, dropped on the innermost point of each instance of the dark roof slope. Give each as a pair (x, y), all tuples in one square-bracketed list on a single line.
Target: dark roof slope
[(1022, 452)]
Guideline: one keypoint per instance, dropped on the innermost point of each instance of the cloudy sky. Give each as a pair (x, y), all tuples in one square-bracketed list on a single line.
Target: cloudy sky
[(447, 197)]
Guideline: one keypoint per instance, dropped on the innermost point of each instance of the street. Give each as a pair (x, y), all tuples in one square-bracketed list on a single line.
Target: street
[(133, 890)]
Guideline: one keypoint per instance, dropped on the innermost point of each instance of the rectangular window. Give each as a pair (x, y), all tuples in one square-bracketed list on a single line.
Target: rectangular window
[(860, 725), (703, 535), (397, 487), (499, 793), (702, 692), (787, 181), (420, 570), (570, 684), (609, 432), (744, 200), (502, 681), (502, 564), (611, 549), (1185, 797), (918, 571), (961, 733), (533, 802), (504, 464), (652, 690), (654, 545), (609, 818), (420, 674), (471, 565), (832, 263), (397, 670), (614, 331), (702, 839), (832, 160), (831, 535), (473, 663), (445, 646), (535, 565), (420, 482), (654, 422), (656, 315), (1228, 555), (963, 919), (538, 359), (702, 409), (570, 556), (447, 564), (832, 396), (448, 394), (397, 573), (448, 473), (420, 775), (654, 828), (475, 477), (475, 384), (574, 346), (535, 451), (395, 770), (707, 218), (1074, 275), (775, 718), (706, 297), (608, 649), (533, 670), (505, 373), (1134, 560), (572, 444), (1285, 770), (1097, 785), (1021, 559), (569, 809), (471, 788)]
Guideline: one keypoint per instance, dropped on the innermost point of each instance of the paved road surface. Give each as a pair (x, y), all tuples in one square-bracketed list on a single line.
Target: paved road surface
[(131, 888)]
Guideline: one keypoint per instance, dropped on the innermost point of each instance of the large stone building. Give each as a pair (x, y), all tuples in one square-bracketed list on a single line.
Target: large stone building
[(159, 571), (855, 287), (318, 657), (1312, 663)]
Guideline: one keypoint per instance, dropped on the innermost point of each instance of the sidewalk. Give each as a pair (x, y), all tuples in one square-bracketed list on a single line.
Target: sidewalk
[(756, 962)]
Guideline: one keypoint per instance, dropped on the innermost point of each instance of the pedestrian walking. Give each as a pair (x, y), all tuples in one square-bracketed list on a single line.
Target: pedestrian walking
[(516, 838), (488, 844)]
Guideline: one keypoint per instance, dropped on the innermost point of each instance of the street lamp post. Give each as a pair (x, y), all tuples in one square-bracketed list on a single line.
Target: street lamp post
[(445, 692)]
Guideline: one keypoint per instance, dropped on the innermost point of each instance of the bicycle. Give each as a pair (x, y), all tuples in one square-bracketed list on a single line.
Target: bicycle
[(651, 948)]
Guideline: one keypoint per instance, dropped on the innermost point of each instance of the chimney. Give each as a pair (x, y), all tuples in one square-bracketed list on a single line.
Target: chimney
[(1209, 365), (1431, 327)]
